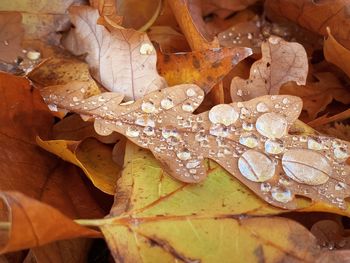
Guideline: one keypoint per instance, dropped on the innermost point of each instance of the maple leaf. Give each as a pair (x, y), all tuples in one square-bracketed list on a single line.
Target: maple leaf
[(281, 62), (317, 95), (122, 60), (163, 122)]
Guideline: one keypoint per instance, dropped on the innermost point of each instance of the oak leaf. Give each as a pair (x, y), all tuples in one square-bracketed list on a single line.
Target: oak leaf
[(163, 122), (318, 94), (281, 62), (314, 15), (122, 60), (204, 68)]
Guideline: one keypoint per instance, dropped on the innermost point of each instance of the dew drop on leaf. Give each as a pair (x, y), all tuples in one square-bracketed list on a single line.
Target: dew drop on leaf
[(274, 146), (149, 131), (249, 140), (167, 103), (223, 114), (148, 107), (256, 166), (146, 49), (272, 125), (132, 132), (265, 187), (340, 186), (187, 107), (281, 195), (306, 166), (191, 92), (52, 107), (184, 154), (262, 107), (340, 153), (314, 144)]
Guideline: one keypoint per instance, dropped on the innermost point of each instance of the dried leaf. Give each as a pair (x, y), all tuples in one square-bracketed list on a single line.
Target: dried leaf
[(317, 95), (203, 68), (281, 62), (336, 54), (92, 156), (122, 60), (163, 122), (314, 15), (339, 130), (34, 223), (11, 34), (108, 9), (233, 5), (323, 120)]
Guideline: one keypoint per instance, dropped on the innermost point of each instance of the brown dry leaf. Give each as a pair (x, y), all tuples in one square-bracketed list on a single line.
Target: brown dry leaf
[(34, 223), (336, 54), (204, 68), (188, 15), (330, 234), (339, 130), (281, 62), (314, 15), (233, 5), (317, 95), (108, 10), (122, 60), (11, 34), (169, 40), (163, 122), (323, 120)]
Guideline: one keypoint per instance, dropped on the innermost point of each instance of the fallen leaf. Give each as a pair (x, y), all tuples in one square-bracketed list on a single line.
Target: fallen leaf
[(169, 40), (339, 130), (323, 120), (314, 15), (34, 223), (92, 156), (281, 62), (163, 122), (108, 10), (317, 95), (233, 5), (11, 35), (203, 68), (336, 54), (122, 60)]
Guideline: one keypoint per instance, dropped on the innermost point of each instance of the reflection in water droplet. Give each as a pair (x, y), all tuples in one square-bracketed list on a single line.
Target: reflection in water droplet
[(148, 107), (223, 114), (274, 146), (306, 166), (187, 107), (265, 187), (219, 130), (274, 40), (146, 49), (249, 140), (247, 126), (191, 92), (340, 186), (340, 153), (184, 154), (169, 132), (145, 121), (132, 132), (52, 107), (262, 107), (256, 166), (281, 195), (149, 131), (272, 125), (167, 103), (314, 144), (192, 164)]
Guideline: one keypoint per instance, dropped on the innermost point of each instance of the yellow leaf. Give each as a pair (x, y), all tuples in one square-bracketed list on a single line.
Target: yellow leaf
[(92, 156)]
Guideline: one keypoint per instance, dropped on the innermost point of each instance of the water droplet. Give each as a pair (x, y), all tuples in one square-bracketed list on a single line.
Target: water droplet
[(314, 144), (285, 101), (340, 153), (167, 103), (201, 136), (219, 130), (149, 131), (249, 140), (145, 121), (262, 107), (223, 114), (306, 166), (192, 164), (146, 48), (256, 166), (132, 132), (52, 107), (191, 92), (274, 146), (274, 40), (184, 154), (33, 55), (247, 126), (265, 187), (148, 107), (244, 113), (281, 195), (187, 107), (340, 186), (272, 125)]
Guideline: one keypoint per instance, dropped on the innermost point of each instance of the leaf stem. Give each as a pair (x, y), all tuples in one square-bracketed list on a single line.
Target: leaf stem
[(5, 225)]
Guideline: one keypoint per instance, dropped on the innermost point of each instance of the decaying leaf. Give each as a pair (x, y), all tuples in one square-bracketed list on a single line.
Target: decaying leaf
[(339, 130), (122, 60), (272, 163), (281, 62), (203, 68), (11, 34), (108, 10), (323, 120), (314, 15), (318, 94), (336, 54), (34, 223), (233, 5)]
